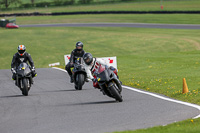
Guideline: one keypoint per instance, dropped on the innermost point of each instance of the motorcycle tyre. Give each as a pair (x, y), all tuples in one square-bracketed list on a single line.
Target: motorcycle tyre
[(80, 81), (115, 93), (25, 89)]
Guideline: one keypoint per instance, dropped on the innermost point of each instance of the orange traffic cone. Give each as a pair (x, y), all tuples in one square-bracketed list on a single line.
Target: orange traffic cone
[(185, 87)]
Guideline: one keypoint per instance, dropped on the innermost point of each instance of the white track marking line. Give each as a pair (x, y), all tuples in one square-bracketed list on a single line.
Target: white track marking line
[(59, 69), (155, 95), (165, 98)]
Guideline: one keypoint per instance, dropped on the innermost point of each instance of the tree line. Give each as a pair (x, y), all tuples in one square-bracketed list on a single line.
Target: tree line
[(33, 3)]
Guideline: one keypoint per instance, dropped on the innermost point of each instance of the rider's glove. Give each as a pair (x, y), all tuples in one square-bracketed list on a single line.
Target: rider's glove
[(13, 70), (71, 64), (112, 68), (33, 69), (94, 80), (34, 74)]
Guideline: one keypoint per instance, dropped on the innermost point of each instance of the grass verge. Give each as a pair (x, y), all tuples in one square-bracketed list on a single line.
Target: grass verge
[(125, 18), (169, 5), (187, 126), (151, 59)]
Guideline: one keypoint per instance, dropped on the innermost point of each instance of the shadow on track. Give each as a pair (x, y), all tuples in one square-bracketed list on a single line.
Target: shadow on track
[(64, 90), (89, 103), (100, 102), (12, 96)]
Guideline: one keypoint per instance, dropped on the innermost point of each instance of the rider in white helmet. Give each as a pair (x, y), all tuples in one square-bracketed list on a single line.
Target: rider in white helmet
[(92, 65)]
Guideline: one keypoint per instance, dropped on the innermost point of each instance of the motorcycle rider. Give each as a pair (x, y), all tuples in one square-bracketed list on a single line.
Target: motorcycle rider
[(92, 65), (76, 53), (19, 57)]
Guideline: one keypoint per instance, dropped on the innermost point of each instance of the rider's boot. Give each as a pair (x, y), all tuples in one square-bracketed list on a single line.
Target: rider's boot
[(86, 80), (16, 82), (71, 79), (31, 80)]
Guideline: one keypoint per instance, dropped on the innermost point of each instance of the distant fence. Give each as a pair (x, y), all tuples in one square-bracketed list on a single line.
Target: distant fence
[(100, 12)]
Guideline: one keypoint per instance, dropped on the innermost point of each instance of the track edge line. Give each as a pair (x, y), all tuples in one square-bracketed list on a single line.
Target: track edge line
[(154, 95)]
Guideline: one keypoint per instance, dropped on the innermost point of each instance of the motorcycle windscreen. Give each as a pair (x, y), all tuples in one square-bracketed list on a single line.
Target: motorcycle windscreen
[(102, 74), (22, 66), (101, 69), (79, 60), (24, 70)]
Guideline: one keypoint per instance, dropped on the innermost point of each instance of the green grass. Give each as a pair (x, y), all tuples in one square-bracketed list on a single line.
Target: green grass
[(187, 126), (155, 60), (128, 18), (179, 5), (152, 59)]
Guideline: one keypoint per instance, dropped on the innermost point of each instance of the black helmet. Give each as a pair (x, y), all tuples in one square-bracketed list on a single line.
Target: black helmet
[(79, 46), (87, 57), (21, 50)]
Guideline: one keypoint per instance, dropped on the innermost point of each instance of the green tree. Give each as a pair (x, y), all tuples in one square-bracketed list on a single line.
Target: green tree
[(7, 3), (85, 1), (58, 2), (32, 2), (68, 2)]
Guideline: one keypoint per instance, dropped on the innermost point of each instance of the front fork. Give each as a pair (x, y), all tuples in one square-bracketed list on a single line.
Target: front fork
[(20, 84)]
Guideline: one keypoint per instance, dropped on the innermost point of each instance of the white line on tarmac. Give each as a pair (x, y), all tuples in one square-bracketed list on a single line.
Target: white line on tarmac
[(155, 95), (165, 98)]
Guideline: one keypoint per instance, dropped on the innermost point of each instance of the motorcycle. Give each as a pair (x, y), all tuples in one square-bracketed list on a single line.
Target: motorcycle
[(24, 78), (109, 83), (79, 74)]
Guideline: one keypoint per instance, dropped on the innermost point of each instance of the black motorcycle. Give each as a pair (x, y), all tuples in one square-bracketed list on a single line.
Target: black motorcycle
[(109, 83), (24, 78), (79, 74)]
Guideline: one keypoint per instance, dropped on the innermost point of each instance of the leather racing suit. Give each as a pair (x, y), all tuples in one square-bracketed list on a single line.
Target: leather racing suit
[(74, 55), (94, 66), (17, 59)]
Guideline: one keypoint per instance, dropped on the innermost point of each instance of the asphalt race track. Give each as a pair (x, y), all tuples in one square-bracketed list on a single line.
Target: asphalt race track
[(133, 25), (54, 106)]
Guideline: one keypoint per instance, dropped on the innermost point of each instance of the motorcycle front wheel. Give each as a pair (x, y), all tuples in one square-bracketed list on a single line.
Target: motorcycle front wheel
[(25, 87), (79, 81), (115, 93)]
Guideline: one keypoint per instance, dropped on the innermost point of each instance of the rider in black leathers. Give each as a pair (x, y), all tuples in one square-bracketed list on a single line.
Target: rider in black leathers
[(76, 53), (19, 57)]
